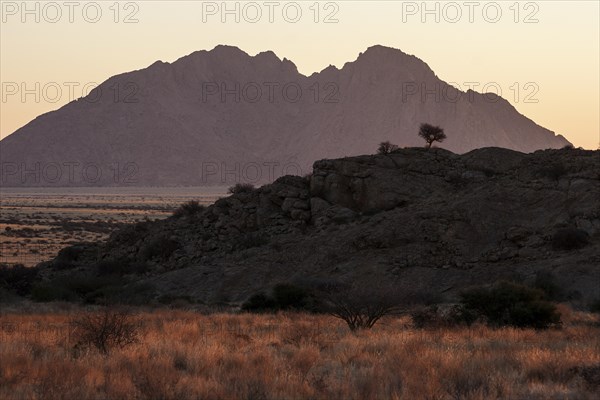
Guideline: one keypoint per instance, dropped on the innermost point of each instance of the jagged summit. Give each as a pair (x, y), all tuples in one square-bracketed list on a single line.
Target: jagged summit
[(230, 109)]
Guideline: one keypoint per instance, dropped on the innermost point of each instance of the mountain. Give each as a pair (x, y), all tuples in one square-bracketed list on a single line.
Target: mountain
[(223, 116), (431, 220)]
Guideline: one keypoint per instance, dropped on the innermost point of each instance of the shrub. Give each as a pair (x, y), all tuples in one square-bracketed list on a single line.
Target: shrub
[(105, 329), (386, 148), (259, 302), (47, 292), (595, 306), (288, 296), (361, 304), (569, 239), (546, 282), (284, 296), (176, 301), (17, 278), (138, 294), (428, 317), (511, 304), (70, 257), (241, 188), (90, 289), (188, 209), (434, 317), (130, 234), (70, 253), (83, 285)]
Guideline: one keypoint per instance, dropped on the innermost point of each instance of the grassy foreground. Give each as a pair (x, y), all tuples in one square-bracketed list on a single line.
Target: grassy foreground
[(187, 355)]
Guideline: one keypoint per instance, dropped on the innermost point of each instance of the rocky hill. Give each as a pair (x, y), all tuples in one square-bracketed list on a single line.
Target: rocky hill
[(224, 116), (434, 219)]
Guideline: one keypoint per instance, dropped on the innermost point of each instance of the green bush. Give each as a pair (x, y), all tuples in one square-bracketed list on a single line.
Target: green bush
[(546, 282), (290, 297), (569, 239), (176, 301), (595, 306), (110, 294), (433, 317), (68, 257), (188, 209), (135, 294), (83, 285), (89, 289), (259, 302), (69, 254), (130, 234), (427, 317), (511, 304), (284, 296), (47, 292)]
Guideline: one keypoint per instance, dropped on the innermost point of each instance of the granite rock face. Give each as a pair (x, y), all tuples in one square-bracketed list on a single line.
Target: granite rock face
[(437, 220)]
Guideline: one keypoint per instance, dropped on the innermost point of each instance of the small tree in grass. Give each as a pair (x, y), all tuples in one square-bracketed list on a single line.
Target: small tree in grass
[(105, 329), (362, 304), (386, 148), (431, 134)]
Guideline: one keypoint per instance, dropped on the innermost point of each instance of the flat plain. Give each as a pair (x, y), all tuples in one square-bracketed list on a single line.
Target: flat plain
[(35, 223)]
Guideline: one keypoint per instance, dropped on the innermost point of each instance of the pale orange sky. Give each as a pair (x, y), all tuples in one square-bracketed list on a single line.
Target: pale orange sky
[(551, 45)]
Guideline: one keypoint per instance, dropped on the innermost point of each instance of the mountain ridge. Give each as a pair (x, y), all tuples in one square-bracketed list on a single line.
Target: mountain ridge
[(171, 120)]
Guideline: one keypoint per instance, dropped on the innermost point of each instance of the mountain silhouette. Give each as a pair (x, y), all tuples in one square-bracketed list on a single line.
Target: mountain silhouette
[(222, 116)]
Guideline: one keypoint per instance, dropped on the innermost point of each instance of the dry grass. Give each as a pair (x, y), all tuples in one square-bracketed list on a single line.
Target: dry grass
[(186, 355)]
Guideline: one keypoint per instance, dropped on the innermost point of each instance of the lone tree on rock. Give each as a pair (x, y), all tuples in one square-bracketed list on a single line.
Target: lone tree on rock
[(431, 134), (386, 148)]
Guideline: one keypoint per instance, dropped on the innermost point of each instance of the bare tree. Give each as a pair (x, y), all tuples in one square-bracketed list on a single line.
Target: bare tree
[(362, 304), (105, 329), (431, 134), (386, 148)]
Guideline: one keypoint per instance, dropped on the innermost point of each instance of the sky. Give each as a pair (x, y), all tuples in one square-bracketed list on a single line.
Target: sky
[(542, 56)]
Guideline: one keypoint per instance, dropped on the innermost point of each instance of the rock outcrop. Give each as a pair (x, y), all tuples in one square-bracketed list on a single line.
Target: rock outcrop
[(433, 218)]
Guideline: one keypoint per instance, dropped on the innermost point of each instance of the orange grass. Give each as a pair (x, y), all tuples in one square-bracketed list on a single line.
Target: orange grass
[(187, 355)]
